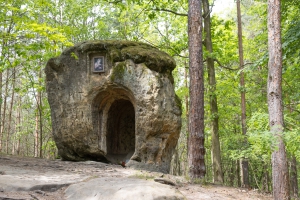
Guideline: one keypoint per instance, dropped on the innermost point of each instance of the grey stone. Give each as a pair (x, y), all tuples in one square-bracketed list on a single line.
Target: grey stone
[(129, 114), (18, 179), (118, 189)]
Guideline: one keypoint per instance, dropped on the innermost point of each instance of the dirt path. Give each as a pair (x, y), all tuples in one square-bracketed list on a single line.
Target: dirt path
[(48, 180)]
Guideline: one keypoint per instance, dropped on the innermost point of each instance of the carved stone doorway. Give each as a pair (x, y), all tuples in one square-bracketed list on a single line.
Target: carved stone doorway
[(120, 137)]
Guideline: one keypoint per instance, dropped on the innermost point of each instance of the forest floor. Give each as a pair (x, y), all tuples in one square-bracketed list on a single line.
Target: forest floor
[(59, 175)]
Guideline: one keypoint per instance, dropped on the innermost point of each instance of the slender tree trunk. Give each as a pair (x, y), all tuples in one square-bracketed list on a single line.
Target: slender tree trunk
[(37, 123), (196, 149), (238, 182), (38, 148), (237, 162), (36, 136), (280, 174), (1, 124), (265, 179), (231, 173), (1, 95), (11, 109), (244, 163), (4, 44), (19, 127), (40, 108), (186, 101), (4, 105), (215, 147), (187, 112), (186, 96), (27, 141), (294, 178)]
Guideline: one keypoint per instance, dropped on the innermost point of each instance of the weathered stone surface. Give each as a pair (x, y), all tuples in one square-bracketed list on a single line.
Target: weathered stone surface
[(128, 113), (119, 189)]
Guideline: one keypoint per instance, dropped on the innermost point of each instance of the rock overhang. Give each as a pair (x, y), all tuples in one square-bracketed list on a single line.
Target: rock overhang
[(119, 51)]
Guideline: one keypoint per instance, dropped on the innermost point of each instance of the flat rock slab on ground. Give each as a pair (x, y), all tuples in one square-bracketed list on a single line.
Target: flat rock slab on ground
[(40, 179), (30, 178), (121, 189), (16, 179)]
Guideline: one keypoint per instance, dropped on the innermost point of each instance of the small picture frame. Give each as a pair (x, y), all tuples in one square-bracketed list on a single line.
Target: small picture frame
[(98, 64)]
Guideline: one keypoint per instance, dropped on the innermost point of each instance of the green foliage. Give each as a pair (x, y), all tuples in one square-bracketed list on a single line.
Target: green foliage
[(224, 40), (182, 92), (31, 32)]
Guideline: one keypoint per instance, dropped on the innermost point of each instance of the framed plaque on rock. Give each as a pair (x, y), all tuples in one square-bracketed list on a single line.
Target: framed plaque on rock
[(98, 64)]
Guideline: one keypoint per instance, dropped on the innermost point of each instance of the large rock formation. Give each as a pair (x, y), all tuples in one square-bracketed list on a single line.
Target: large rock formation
[(126, 110)]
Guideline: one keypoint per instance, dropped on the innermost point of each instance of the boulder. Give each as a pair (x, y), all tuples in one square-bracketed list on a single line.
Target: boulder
[(114, 101)]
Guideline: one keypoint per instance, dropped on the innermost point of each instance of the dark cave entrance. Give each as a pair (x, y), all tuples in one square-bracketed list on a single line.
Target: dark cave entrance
[(120, 137)]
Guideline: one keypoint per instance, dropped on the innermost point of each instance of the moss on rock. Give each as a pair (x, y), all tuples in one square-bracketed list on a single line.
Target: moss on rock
[(119, 51), (118, 71)]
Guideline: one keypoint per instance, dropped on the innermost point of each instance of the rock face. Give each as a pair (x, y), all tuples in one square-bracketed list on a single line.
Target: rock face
[(124, 111)]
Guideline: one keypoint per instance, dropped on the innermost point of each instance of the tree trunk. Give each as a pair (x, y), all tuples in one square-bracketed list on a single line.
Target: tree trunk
[(280, 174), (294, 178), (11, 109), (187, 113), (265, 179), (38, 149), (186, 97), (231, 175), (244, 163), (196, 149), (19, 127), (25, 145), (238, 182), (244, 173), (1, 99), (36, 136), (40, 108), (4, 107), (1, 124), (6, 33), (215, 142)]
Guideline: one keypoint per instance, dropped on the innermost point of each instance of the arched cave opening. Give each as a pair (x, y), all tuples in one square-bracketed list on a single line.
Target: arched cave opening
[(120, 137)]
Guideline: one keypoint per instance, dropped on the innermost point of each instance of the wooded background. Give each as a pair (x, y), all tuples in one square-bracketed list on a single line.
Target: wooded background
[(235, 71)]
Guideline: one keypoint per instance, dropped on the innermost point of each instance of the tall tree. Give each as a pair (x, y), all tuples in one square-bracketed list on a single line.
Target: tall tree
[(196, 149), (40, 113), (11, 108), (243, 162), (4, 106), (215, 142), (276, 122)]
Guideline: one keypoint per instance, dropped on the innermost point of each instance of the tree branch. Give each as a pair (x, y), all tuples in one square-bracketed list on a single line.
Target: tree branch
[(210, 10), (176, 53), (220, 64), (115, 2), (181, 56), (171, 11)]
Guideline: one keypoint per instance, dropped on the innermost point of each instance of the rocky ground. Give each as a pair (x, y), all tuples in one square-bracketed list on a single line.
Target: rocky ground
[(33, 178)]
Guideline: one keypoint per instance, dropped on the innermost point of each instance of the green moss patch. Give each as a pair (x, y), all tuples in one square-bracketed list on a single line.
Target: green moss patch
[(119, 51), (153, 58), (118, 71)]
